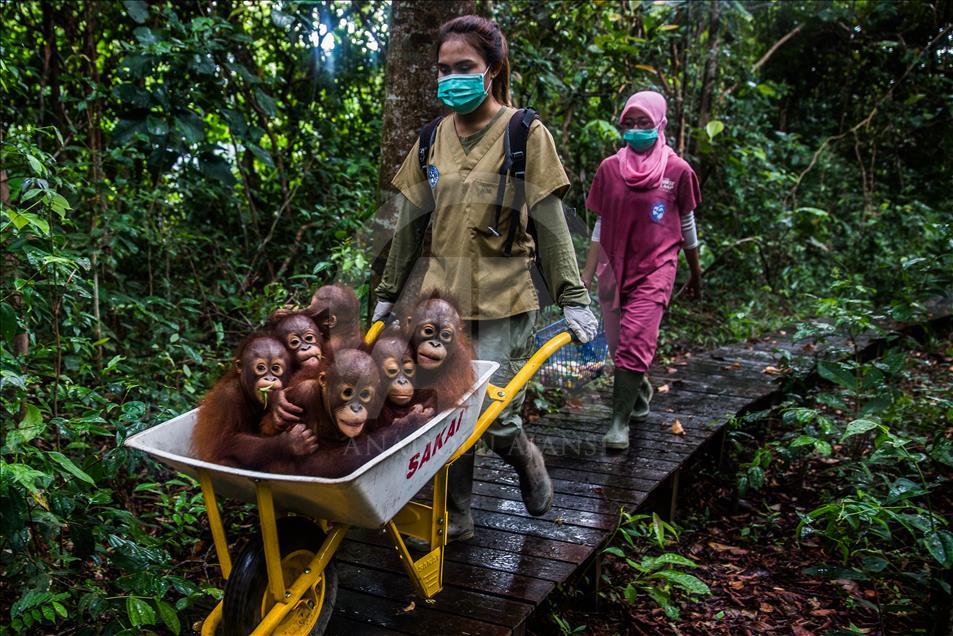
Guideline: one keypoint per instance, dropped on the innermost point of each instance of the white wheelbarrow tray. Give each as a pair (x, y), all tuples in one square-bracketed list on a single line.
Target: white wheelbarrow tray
[(369, 497)]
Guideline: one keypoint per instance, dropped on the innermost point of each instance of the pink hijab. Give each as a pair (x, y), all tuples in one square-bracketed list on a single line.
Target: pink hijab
[(644, 170)]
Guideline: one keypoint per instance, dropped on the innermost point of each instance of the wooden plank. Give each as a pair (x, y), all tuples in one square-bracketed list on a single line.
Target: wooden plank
[(575, 482), (387, 613), (561, 500), (471, 589), (557, 514), (469, 552), (528, 545), (510, 502), (538, 528), (340, 624)]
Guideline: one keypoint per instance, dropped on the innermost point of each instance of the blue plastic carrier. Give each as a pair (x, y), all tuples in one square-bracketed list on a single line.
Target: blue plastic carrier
[(575, 364)]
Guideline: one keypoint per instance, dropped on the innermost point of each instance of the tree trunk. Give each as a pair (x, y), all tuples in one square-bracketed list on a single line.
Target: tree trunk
[(410, 100), (709, 76)]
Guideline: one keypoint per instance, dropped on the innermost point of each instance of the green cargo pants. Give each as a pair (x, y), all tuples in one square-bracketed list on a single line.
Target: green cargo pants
[(508, 341)]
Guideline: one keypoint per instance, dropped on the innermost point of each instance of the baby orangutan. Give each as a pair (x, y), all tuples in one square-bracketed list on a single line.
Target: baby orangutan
[(336, 311), (339, 398), (226, 431), (302, 339), (397, 368), (442, 351)]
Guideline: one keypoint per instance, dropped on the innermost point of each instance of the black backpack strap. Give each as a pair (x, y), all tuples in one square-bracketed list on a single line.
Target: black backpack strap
[(514, 164), (428, 133)]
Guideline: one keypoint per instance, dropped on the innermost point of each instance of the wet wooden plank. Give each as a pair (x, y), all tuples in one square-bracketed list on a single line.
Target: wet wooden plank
[(341, 625), (470, 552), (529, 545), (470, 587), (509, 501), (560, 500), (609, 493), (569, 476), (538, 528), (356, 606)]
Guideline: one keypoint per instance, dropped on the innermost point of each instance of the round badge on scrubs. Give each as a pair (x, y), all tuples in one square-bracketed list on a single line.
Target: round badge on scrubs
[(433, 175), (658, 211)]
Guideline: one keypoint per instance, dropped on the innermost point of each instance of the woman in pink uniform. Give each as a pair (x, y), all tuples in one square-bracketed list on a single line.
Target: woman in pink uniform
[(645, 196)]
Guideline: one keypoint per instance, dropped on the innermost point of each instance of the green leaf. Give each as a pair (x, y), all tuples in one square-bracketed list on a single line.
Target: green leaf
[(38, 167), (713, 128), (31, 425), (23, 475), (145, 35), (37, 222), (266, 102), (156, 126), (823, 448), (874, 564), (138, 10), (614, 551), (48, 613), (8, 323), (688, 582), (217, 168), (70, 467), (631, 594), (858, 427), (169, 616), (836, 373), (940, 546), (651, 562), (139, 612), (876, 405), (803, 440)]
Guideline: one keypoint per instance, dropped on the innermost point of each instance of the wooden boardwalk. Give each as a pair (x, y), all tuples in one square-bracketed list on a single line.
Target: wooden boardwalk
[(493, 583)]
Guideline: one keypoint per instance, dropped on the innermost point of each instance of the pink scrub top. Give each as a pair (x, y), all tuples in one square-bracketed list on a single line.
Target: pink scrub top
[(641, 229)]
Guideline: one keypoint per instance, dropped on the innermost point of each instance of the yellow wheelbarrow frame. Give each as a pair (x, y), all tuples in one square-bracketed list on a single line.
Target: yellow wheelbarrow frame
[(425, 522)]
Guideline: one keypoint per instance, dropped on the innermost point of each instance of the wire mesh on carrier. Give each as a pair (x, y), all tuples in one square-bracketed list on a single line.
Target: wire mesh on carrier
[(575, 364)]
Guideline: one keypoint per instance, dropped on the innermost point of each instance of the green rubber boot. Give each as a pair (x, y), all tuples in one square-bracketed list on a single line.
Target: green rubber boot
[(627, 388), (640, 412)]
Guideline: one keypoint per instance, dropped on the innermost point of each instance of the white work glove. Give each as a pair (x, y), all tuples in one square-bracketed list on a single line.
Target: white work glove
[(582, 322), (381, 309)]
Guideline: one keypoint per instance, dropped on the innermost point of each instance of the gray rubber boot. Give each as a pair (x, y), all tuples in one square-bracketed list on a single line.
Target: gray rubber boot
[(536, 487), (459, 494), (640, 412), (626, 391)]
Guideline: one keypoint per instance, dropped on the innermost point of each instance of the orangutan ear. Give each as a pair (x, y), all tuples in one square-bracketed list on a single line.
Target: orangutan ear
[(332, 321), (323, 379), (238, 365)]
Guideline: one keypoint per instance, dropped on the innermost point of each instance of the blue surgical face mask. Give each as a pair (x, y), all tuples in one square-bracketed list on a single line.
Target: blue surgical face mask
[(639, 139), (462, 92)]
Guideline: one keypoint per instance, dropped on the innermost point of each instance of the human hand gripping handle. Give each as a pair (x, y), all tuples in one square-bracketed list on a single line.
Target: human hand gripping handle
[(582, 323), (381, 309)]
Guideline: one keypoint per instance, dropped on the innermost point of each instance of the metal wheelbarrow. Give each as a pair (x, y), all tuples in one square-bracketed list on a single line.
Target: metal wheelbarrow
[(284, 582)]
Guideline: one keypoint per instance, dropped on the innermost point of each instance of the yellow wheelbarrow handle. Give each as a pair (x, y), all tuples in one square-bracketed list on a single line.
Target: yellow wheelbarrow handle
[(374, 332), (502, 397)]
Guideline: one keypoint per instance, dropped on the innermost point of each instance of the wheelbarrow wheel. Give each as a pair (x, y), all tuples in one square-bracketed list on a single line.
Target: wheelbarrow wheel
[(247, 599)]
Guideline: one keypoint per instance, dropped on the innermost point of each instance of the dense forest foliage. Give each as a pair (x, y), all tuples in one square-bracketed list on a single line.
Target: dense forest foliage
[(173, 171)]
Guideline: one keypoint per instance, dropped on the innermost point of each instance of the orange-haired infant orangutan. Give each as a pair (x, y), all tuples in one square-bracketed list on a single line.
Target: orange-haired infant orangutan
[(442, 351), (227, 428)]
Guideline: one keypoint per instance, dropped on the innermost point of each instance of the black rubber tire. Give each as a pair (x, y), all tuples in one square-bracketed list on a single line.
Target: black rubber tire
[(248, 582)]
